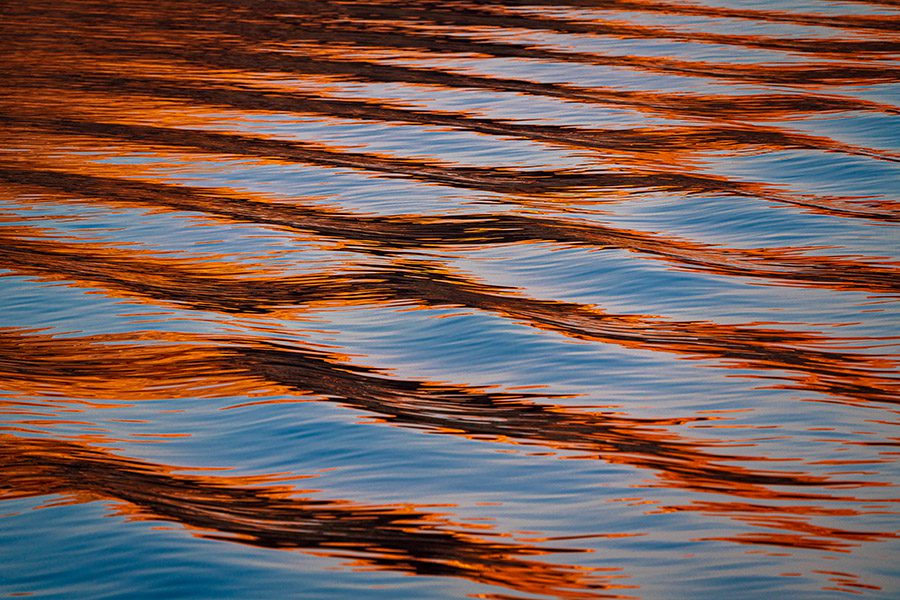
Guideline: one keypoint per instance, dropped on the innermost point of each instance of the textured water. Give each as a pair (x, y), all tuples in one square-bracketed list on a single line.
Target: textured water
[(441, 299)]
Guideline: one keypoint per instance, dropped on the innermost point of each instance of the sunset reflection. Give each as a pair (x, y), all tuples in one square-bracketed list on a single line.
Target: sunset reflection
[(401, 538), (557, 299)]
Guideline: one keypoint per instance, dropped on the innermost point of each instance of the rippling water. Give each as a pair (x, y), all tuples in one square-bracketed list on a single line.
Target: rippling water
[(509, 299)]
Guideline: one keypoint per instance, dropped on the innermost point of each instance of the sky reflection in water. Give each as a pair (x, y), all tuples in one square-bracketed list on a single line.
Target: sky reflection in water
[(515, 299)]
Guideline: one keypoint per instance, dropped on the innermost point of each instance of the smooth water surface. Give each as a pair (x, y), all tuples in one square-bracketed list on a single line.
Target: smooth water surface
[(509, 299)]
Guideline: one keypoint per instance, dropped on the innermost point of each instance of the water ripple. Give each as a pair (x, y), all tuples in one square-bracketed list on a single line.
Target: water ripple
[(570, 300)]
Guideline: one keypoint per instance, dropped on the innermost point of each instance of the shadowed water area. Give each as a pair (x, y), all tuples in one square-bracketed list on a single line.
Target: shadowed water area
[(514, 299)]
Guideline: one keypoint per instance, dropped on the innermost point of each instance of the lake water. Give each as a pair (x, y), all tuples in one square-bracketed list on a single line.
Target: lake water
[(509, 299)]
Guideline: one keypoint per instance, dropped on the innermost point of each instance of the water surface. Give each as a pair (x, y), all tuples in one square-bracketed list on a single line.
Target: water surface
[(513, 299)]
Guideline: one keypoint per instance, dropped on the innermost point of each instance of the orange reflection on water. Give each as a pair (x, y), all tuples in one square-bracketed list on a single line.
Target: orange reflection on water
[(71, 367), (821, 364), (407, 538), (526, 187), (112, 105), (109, 366)]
